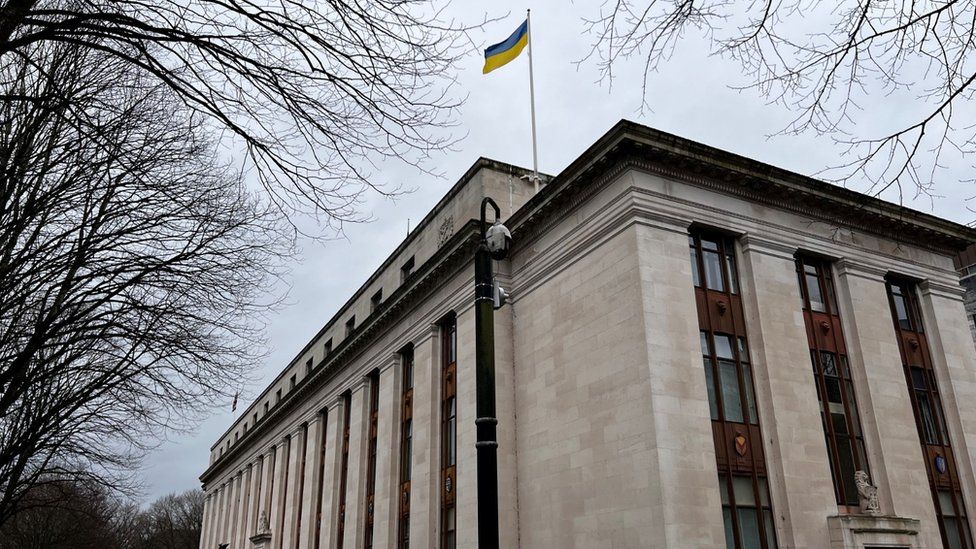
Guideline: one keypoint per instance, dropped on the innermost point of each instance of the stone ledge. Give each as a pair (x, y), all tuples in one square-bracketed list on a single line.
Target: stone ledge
[(858, 531)]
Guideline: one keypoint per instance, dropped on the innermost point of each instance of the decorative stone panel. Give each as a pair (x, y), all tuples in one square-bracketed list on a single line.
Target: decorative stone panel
[(870, 532)]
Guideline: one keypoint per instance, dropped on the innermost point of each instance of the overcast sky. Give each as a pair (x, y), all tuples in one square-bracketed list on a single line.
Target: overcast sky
[(689, 97)]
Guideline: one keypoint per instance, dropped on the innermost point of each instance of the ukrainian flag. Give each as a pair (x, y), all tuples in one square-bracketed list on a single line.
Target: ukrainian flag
[(503, 52)]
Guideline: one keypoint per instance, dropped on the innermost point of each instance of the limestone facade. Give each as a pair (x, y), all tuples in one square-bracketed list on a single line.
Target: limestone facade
[(605, 436)]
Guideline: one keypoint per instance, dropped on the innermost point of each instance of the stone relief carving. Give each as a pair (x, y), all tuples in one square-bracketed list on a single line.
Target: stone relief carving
[(264, 525), (867, 494), (446, 230)]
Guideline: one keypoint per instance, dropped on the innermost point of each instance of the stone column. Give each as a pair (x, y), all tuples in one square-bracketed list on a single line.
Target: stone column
[(330, 476), (277, 492), (356, 474), (241, 540), (467, 457), (387, 451), (683, 467), (254, 497), (267, 483), (425, 473), (293, 490), (954, 360), (207, 523), (891, 436), (508, 518), (800, 481), (225, 493), (234, 510), (313, 480)]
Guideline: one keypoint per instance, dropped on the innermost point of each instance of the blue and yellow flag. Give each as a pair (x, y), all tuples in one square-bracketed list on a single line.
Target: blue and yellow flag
[(503, 52)]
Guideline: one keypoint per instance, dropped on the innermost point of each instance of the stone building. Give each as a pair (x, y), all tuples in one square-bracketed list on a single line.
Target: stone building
[(700, 351)]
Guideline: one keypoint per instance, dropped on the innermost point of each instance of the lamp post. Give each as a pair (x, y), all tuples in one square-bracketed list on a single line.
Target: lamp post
[(495, 242)]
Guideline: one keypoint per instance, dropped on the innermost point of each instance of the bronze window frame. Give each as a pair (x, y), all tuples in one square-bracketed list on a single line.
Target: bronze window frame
[(343, 468), (448, 484), (825, 338), (916, 357), (372, 434), (738, 444), (406, 447)]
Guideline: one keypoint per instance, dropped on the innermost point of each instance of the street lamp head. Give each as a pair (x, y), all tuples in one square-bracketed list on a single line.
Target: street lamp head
[(498, 239)]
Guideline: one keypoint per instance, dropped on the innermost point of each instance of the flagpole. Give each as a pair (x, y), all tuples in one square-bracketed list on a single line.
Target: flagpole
[(535, 151)]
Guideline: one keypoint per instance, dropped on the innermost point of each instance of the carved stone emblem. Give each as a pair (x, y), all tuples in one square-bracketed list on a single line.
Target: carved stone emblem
[(867, 494), (264, 525), (446, 230)]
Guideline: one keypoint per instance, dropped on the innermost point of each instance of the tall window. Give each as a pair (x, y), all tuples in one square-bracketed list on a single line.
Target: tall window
[(406, 448), (746, 508), (929, 416), (303, 445), (344, 468), (448, 433), (374, 398), (284, 485), (832, 376), (324, 422)]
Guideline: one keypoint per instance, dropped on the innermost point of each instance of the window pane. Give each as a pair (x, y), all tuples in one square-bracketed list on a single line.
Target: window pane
[(952, 533), (846, 471), (705, 347), (723, 488), (833, 392), (713, 271), (928, 420), (733, 276), (743, 350), (731, 400), (710, 385), (749, 528), (742, 490), (918, 378), (770, 529), (813, 290), (902, 312), (729, 532), (695, 275), (723, 346), (750, 396), (831, 300), (763, 492), (828, 364), (709, 244), (945, 504)]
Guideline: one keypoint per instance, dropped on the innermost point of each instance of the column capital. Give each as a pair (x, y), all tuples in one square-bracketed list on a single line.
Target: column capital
[(929, 287), (391, 362), (754, 244), (847, 267)]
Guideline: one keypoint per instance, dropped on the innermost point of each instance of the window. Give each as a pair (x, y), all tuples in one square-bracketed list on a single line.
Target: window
[(255, 422), (832, 377), (448, 432), (376, 300), (374, 398), (245, 427), (929, 417), (406, 270), (406, 447), (286, 450), (292, 382), (746, 507), (302, 447), (327, 348), (350, 325), (267, 406), (344, 467), (324, 422), (308, 366), (277, 396)]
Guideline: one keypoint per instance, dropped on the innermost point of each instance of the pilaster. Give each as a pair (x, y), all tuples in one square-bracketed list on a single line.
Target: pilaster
[(387, 450), (330, 476), (800, 481), (890, 433), (293, 495), (356, 473), (313, 481)]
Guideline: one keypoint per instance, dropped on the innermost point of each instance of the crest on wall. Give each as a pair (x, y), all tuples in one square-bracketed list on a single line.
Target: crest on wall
[(446, 230), (741, 444)]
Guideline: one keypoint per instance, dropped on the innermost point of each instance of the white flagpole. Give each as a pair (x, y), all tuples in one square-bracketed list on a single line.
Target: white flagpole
[(535, 152)]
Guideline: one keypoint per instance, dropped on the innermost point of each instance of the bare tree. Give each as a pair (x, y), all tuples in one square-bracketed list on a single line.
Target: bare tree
[(134, 267), (173, 522), (830, 63), (313, 90)]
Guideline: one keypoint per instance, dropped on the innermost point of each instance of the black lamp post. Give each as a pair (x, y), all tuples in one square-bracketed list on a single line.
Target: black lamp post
[(495, 242)]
